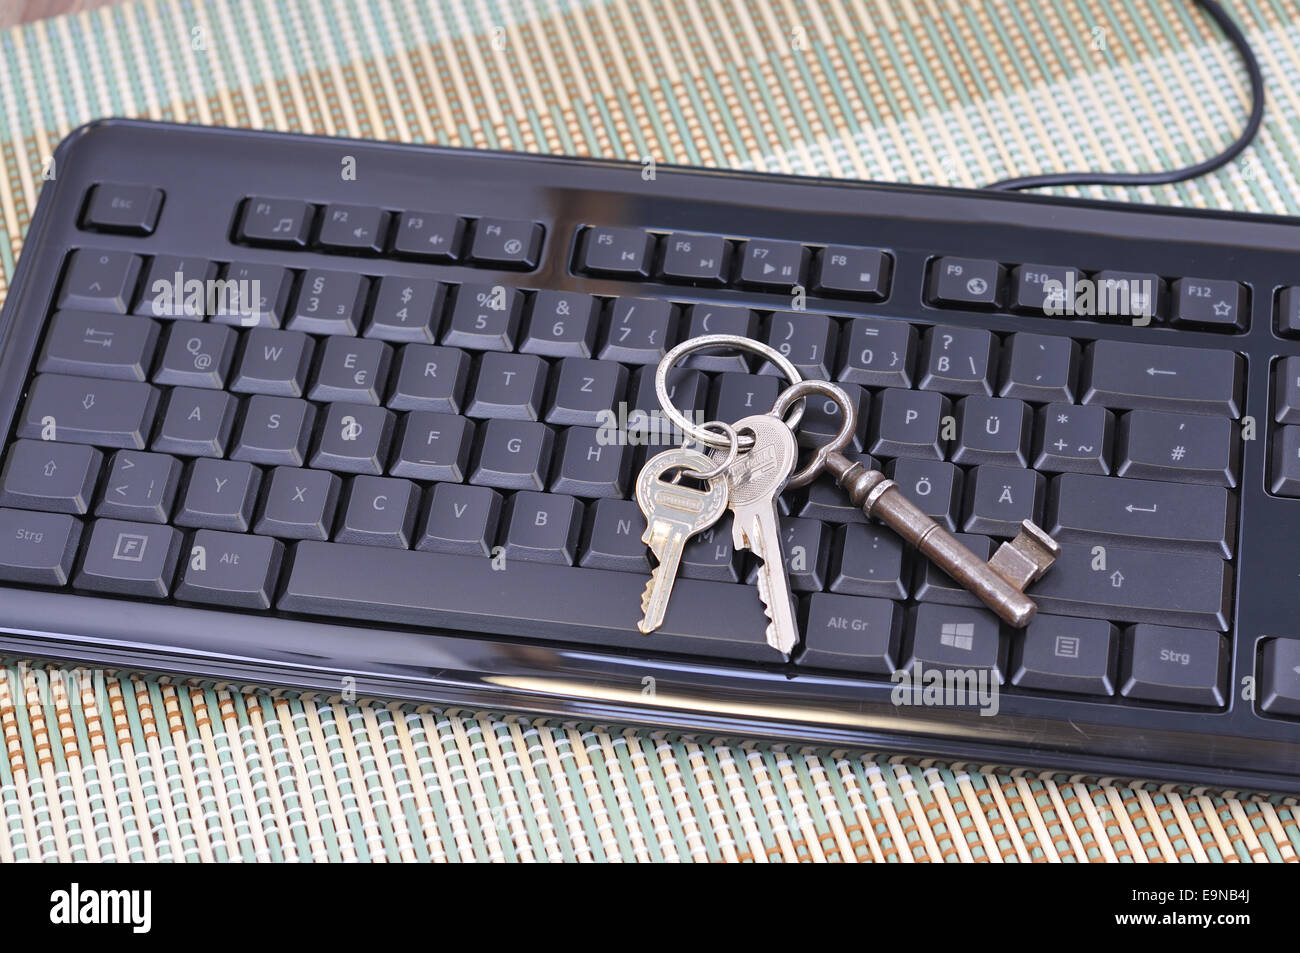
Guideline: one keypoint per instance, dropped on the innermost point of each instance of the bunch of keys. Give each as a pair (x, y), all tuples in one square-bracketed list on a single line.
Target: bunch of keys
[(754, 462)]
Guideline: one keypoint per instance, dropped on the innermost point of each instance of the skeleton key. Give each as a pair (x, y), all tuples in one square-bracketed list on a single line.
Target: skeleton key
[(756, 479), (674, 513)]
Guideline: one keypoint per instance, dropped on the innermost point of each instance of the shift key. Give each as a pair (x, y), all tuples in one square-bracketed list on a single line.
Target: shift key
[(105, 413), (1137, 585)]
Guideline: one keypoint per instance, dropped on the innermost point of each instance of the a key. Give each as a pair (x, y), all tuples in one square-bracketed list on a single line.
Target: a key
[(674, 513), (755, 482)]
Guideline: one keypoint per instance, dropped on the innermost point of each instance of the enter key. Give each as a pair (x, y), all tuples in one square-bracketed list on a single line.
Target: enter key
[(1177, 516)]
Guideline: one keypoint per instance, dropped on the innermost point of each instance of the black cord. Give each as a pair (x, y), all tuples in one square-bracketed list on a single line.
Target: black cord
[(1233, 32)]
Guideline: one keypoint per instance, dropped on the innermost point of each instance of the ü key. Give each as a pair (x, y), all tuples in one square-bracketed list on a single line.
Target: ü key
[(998, 583)]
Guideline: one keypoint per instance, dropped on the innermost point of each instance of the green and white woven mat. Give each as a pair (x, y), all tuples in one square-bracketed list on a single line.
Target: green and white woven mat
[(949, 91)]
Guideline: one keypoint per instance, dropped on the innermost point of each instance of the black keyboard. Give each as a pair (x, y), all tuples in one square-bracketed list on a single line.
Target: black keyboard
[(409, 462)]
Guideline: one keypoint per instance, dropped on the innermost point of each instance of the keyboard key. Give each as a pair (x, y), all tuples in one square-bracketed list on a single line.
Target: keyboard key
[(1138, 585), (354, 439), (1071, 438), (231, 569), (39, 547), (992, 430), (196, 355), (1058, 654), (127, 209), (358, 229), (847, 271), (1279, 676), (696, 259), (932, 485), (1288, 311), (274, 362), (639, 332), (1286, 391), (868, 560), (380, 512), (1181, 448), (1120, 374), (589, 468), (1165, 663), (1181, 516), (612, 538), (618, 252), (712, 554), (129, 559), (300, 504), (561, 324), (850, 634), (220, 494), (1203, 302), (1137, 297), (686, 389), (947, 638), (433, 446), (485, 318), (1038, 289), (283, 223), (430, 378), (43, 475), (1040, 368), (737, 395), (542, 527), (140, 486), (99, 280), (772, 265), (460, 519), (965, 282), (825, 501), (86, 410), (807, 340), (506, 243), (275, 430), (720, 319), (407, 309), (999, 499), (958, 360), (509, 385), (513, 455), (330, 302), (197, 423), (98, 345), (585, 391), (182, 287), (877, 353), (905, 423), (804, 543), (429, 236), (1286, 462), (438, 590), (353, 370), (823, 418), (261, 298)]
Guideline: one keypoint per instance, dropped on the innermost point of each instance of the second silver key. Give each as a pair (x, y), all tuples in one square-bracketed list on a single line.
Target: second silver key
[(756, 480)]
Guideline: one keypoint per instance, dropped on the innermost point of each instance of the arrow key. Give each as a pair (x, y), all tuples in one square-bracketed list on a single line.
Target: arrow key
[(140, 486), (43, 475)]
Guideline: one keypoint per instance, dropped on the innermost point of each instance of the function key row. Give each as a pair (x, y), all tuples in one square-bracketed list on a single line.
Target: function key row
[(634, 254), (1065, 292), (368, 230)]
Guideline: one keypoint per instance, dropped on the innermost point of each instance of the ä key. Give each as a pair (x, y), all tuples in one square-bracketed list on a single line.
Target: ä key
[(674, 513)]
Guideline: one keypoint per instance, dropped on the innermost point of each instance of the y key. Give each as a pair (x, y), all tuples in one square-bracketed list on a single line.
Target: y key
[(674, 513)]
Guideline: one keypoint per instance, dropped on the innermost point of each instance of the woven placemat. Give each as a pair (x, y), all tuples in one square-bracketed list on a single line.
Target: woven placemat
[(958, 92)]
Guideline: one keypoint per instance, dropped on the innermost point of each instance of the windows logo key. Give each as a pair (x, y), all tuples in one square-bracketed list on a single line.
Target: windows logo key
[(957, 635)]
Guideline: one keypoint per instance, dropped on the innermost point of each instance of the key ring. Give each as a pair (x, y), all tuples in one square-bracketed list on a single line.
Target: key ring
[(704, 342), (733, 451), (800, 391)]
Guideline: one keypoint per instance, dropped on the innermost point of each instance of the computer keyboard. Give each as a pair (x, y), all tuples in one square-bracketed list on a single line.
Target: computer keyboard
[(409, 465)]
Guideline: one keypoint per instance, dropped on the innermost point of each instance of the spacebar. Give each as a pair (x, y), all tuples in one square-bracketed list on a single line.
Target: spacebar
[(593, 607)]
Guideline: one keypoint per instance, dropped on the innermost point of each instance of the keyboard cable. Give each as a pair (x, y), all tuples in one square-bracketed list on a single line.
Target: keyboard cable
[(1238, 39)]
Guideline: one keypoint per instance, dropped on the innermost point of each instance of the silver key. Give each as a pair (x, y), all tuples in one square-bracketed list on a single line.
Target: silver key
[(756, 480), (674, 512)]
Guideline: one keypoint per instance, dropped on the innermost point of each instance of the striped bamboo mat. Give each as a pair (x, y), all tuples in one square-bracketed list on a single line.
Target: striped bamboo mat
[(949, 91)]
